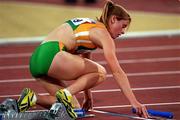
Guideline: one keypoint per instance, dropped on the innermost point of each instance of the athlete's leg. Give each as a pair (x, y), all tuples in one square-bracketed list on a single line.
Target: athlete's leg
[(72, 67), (66, 66), (84, 82), (52, 85), (92, 76), (29, 98)]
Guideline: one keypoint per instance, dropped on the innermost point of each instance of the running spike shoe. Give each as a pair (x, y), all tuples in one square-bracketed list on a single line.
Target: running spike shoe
[(27, 99), (62, 97)]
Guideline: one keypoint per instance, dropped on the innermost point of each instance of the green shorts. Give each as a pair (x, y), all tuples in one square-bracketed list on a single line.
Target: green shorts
[(42, 58)]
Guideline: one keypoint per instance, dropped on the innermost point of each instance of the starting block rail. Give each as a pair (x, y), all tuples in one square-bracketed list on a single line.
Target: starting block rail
[(36, 115), (27, 116), (9, 111)]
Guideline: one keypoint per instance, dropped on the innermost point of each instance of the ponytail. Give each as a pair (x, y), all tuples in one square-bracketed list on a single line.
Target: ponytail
[(107, 7), (111, 8)]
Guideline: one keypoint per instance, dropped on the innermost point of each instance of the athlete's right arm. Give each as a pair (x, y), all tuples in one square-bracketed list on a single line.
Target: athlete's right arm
[(104, 40)]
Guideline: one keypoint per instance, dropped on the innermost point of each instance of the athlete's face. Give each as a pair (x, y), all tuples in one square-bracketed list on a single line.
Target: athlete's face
[(117, 27)]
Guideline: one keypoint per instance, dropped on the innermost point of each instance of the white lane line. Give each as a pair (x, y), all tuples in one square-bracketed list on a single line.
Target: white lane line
[(128, 61), (150, 104), (150, 73), (154, 73), (108, 76), (11, 67), (17, 95), (137, 89), (145, 60), (17, 80), (128, 49), (150, 34), (15, 55), (143, 49), (110, 90)]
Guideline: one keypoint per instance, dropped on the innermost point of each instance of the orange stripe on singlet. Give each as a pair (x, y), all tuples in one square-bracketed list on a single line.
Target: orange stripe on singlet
[(82, 34), (88, 26)]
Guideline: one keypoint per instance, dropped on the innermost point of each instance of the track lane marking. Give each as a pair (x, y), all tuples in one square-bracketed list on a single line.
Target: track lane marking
[(128, 49), (103, 62), (108, 76), (12, 67), (137, 89), (109, 90), (18, 80), (145, 60), (149, 104)]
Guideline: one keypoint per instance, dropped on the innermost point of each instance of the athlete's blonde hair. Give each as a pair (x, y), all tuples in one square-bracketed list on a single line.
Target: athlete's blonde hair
[(111, 8)]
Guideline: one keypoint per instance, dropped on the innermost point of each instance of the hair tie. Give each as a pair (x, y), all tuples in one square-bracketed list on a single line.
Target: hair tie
[(111, 5)]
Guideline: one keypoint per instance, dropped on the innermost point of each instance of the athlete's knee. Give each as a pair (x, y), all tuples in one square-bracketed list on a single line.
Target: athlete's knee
[(102, 74)]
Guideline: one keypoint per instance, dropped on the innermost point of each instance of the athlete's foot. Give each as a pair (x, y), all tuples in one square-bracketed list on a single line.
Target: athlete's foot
[(66, 99), (26, 100)]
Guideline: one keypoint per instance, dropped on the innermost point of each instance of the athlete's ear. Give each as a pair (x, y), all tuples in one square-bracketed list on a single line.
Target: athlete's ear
[(113, 19)]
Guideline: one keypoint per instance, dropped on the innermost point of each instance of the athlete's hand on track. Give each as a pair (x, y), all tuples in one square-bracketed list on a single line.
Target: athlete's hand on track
[(141, 110), (87, 104), (88, 101)]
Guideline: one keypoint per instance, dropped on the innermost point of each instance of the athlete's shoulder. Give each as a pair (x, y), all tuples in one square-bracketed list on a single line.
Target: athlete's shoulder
[(77, 21)]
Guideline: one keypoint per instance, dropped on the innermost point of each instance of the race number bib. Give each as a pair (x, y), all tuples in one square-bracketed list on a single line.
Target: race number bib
[(78, 21)]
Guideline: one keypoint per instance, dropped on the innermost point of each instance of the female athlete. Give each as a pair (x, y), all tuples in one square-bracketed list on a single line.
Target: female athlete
[(64, 55)]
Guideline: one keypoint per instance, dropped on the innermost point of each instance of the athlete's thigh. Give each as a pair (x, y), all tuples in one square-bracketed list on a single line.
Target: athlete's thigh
[(67, 66)]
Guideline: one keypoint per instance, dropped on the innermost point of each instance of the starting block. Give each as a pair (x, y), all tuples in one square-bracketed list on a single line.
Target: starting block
[(9, 111)]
